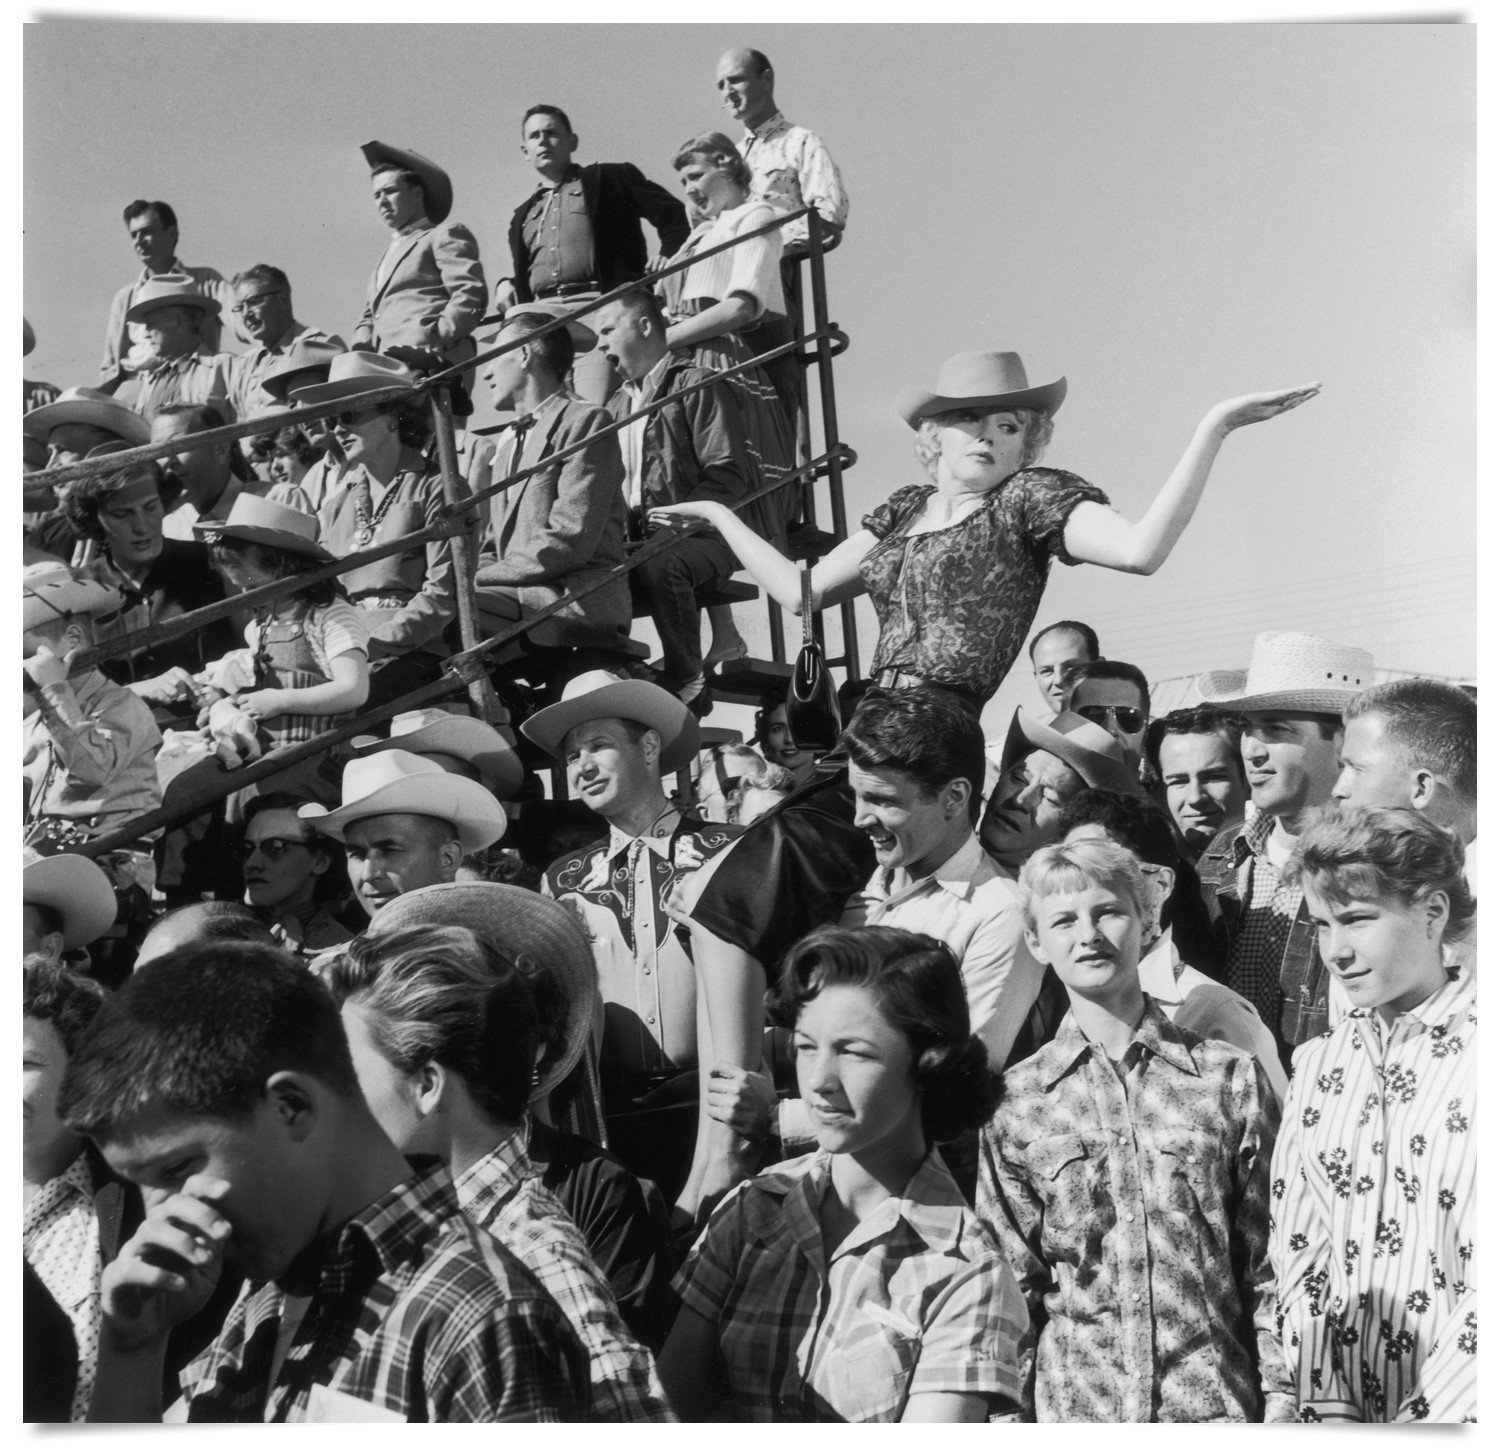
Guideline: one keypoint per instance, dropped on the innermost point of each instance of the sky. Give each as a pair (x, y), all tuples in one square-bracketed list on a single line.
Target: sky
[(1168, 215)]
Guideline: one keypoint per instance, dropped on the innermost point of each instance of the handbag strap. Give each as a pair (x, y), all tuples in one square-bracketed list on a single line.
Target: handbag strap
[(807, 607)]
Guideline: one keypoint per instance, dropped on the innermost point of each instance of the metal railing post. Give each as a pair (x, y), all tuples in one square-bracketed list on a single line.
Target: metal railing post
[(830, 424), (455, 492)]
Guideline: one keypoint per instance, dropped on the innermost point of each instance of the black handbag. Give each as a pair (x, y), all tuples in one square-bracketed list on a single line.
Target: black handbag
[(812, 700)]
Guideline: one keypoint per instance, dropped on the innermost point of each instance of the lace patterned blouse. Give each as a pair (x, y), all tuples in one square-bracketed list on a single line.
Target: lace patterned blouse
[(955, 605)]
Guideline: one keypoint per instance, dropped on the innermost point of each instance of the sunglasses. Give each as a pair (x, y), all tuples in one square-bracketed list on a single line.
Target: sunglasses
[(256, 302), (1131, 720), (272, 848), (350, 419)]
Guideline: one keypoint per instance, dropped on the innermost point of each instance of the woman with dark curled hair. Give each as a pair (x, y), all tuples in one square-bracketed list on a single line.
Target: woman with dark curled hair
[(854, 1284), (1375, 1173)]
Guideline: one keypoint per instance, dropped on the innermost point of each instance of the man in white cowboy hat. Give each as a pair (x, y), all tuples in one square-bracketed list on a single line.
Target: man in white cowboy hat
[(405, 823), (1044, 763), (88, 746), (153, 237), (618, 738), (428, 293), (1292, 697), (563, 527), (457, 743), (67, 901), (262, 307), (176, 368)]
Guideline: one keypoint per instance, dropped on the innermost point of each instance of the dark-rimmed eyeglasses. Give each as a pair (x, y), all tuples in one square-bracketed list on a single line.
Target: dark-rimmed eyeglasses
[(272, 848), (257, 301), (1131, 720)]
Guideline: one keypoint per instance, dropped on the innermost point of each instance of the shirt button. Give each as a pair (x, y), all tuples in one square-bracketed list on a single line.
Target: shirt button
[(1136, 1297), (646, 969), (1130, 1219), (650, 1019)]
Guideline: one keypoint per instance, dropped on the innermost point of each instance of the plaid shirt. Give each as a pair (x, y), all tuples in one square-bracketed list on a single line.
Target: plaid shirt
[(1135, 1214), (916, 1298), (417, 1311), (503, 1193)]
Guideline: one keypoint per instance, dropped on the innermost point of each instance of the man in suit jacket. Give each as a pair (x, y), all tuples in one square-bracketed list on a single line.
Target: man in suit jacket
[(560, 528), (579, 234), (428, 292), (694, 450)]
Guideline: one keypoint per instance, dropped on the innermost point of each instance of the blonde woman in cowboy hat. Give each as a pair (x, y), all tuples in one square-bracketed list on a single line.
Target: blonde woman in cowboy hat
[(956, 568)]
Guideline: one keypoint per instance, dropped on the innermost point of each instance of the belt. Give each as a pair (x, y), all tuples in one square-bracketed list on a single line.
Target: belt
[(897, 678), (570, 288)]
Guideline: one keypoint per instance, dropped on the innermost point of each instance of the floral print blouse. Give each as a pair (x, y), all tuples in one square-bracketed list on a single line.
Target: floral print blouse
[(955, 605), (1374, 1215)]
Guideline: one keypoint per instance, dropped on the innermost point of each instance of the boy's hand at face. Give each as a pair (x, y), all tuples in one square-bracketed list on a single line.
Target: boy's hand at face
[(45, 668)]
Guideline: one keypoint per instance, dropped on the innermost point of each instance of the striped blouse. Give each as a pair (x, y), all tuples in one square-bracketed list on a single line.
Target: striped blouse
[(1374, 1216), (753, 268)]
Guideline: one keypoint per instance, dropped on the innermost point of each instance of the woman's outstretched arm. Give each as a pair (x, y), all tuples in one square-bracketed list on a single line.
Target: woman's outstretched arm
[(1096, 534), (834, 580)]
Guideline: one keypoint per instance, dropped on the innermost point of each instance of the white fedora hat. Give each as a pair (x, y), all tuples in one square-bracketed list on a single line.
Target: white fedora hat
[(1092, 752), (355, 374), (599, 694), (91, 408), (528, 929), (170, 289), (1293, 671), (274, 524), (434, 730), (50, 589), (397, 782), (74, 887)]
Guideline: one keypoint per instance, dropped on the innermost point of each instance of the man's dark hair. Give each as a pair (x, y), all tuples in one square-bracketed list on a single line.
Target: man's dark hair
[(220, 921), (263, 275), (1119, 672), (199, 1033), (61, 997), (164, 213), (1202, 719), (410, 177), (206, 417), (556, 347), (641, 302), (1435, 725), (1068, 625), (925, 732), (552, 110)]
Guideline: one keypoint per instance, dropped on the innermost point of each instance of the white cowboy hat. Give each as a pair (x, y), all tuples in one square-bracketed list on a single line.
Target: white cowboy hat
[(437, 189), (397, 782), (76, 888), (599, 694), (50, 589), (274, 524), (1092, 752), (92, 408), (352, 375), (434, 730), (170, 289), (528, 929), (1296, 672), (987, 379)]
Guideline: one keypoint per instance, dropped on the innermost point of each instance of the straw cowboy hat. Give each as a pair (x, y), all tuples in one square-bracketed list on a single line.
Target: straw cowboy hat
[(304, 363), (91, 408), (436, 187), (599, 694), (352, 375), (51, 590), (170, 289), (584, 336), (1093, 754), (75, 888), (397, 782), (434, 730), (988, 379), (273, 524), (1296, 672), (525, 927)]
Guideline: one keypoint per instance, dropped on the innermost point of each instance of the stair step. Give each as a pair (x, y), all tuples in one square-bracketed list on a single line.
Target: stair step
[(809, 543), (745, 679)]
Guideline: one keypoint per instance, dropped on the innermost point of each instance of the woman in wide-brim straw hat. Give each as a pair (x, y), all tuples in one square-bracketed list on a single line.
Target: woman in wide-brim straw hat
[(956, 568)]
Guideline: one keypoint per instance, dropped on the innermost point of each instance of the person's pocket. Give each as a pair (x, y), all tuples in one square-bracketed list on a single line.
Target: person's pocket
[(867, 1371)]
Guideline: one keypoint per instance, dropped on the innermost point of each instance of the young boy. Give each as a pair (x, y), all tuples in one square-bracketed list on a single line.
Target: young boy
[(1127, 1173), (220, 1081)]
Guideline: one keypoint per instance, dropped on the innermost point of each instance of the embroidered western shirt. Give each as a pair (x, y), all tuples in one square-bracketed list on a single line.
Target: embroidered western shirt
[(791, 168)]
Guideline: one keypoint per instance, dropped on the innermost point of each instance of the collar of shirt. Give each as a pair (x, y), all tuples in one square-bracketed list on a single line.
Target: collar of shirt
[(174, 268), (76, 1181), (657, 838), (767, 129), (87, 686), (395, 1227), (573, 173), (1437, 1011), (1159, 972), (1155, 1033), (412, 228), (275, 348), (1253, 836), (644, 390), (495, 1177), (957, 874), (548, 406)]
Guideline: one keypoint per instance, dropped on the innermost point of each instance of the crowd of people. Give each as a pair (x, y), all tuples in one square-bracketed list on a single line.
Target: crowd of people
[(1116, 1068)]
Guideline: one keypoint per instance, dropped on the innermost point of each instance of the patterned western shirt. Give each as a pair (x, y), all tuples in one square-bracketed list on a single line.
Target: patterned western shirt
[(503, 1193), (915, 1298), (1375, 1216), (791, 168), (1135, 1215), (417, 1312)]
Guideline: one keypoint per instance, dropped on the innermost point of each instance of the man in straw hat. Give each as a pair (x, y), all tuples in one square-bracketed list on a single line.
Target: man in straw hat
[(67, 901), (1292, 697), (170, 310), (618, 738), (563, 527), (457, 743), (405, 823), (428, 293)]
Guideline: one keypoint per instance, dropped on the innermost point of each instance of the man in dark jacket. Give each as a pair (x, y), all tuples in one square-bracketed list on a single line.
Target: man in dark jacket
[(691, 451), (579, 233)]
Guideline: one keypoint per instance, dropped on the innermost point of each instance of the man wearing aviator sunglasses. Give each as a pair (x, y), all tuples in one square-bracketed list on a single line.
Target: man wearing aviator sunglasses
[(262, 311), (1117, 697), (282, 859)]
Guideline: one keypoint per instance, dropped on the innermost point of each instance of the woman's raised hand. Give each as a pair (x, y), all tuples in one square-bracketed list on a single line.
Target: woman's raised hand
[(1259, 406)]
